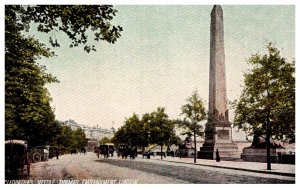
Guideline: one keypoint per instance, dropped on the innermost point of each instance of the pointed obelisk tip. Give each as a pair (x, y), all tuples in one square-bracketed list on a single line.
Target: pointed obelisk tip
[(216, 9)]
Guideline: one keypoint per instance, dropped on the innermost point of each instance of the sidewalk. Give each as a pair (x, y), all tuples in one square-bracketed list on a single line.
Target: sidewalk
[(277, 169)]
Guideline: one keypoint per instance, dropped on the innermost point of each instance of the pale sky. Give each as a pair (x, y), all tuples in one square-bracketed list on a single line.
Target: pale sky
[(161, 57)]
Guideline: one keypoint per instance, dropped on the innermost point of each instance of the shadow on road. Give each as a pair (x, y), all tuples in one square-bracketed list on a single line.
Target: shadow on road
[(192, 175)]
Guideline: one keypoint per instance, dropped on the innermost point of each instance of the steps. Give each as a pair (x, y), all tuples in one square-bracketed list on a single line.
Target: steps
[(227, 151)]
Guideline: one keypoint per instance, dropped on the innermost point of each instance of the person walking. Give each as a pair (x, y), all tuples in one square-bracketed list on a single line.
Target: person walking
[(180, 153), (112, 150), (57, 153), (217, 156)]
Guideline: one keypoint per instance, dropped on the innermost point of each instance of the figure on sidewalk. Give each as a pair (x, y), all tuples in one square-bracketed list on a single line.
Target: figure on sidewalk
[(180, 153), (131, 153), (217, 156), (57, 153)]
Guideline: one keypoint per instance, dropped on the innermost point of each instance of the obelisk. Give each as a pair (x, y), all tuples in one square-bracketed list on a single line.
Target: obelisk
[(217, 79), (218, 131)]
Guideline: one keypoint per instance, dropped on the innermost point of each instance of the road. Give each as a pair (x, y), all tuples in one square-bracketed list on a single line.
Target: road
[(89, 169)]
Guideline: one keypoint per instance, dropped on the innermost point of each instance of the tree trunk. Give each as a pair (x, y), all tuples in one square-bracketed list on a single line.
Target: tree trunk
[(268, 129), (161, 147), (268, 136), (195, 148)]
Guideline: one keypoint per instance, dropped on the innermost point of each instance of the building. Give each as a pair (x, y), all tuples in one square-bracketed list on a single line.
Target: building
[(91, 132)]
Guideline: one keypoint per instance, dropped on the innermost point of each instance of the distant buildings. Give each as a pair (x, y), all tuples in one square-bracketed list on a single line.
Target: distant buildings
[(96, 133)]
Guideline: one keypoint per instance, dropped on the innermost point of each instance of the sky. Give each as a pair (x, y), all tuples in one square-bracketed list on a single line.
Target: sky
[(161, 57)]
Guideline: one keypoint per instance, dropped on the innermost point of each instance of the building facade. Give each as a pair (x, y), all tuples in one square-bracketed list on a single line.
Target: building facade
[(91, 132)]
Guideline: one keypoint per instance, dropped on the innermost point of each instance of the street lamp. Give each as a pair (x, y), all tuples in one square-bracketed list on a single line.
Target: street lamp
[(161, 142)]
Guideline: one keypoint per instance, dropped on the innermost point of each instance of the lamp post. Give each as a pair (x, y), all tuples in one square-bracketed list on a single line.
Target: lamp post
[(161, 142)]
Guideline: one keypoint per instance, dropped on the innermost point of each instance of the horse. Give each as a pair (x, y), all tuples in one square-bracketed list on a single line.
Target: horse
[(101, 150), (104, 151), (125, 152), (74, 151), (97, 151), (82, 150)]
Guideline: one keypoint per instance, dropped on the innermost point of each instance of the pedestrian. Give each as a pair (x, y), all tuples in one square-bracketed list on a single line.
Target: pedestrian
[(57, 153), (122, 152), (180, 154), (135, 152), (132, 153), (106, 152), (127, 152), (217, 156), (112, 150)]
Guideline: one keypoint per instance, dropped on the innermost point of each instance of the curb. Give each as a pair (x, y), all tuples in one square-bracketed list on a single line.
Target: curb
[(240, 169)]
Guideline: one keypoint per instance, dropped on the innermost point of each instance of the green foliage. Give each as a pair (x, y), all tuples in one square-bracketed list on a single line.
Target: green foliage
[(162, 130), (268, 99), (66, 138), (28, 114), (105, 140), (153, 128), (132, 132), (76, 21), (193, 112), (78, 138)]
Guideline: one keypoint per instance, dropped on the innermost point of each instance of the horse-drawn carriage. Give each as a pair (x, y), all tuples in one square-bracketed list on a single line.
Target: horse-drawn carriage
[(123, 150), (39, 153), (16, 157), (105, 150)]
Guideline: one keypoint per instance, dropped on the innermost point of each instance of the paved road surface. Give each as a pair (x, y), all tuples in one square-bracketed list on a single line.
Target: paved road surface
[(114, 170)]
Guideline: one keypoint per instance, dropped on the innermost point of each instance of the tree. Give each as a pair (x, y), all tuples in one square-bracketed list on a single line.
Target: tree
[(64, 139), (28, 114), (162, 129), (153, 128), (267, 104), (78, 138), (193, 112), (133, 132), (145, 132), (119, 136), (105, 140), (73, 20), (133, 126)]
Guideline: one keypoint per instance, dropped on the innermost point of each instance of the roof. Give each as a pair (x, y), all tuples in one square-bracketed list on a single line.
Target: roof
[(156, 148), (15, 142), (109, 143)]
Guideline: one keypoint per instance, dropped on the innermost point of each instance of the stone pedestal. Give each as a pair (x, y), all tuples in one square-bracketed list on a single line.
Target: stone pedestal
[(190, 153), (227, 151), (221, 139), (260, 155)]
